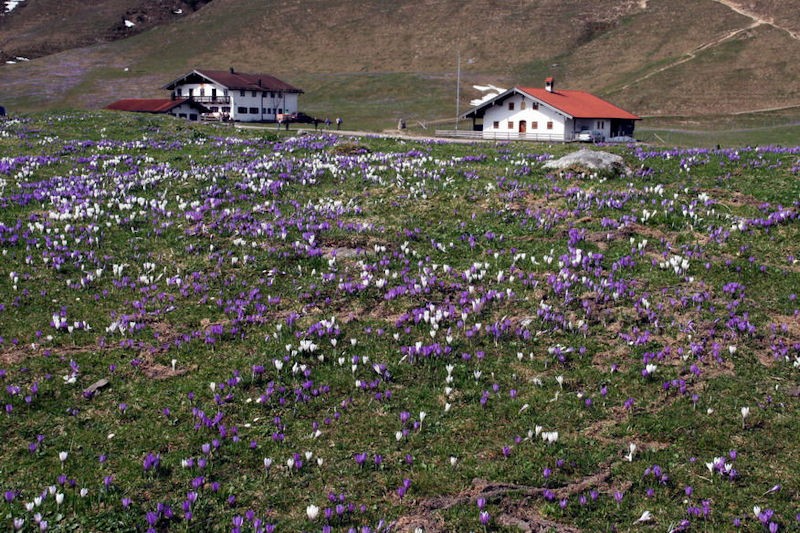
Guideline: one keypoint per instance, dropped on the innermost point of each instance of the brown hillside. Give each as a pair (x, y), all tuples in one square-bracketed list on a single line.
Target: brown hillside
[(654, 57), (43, 27)]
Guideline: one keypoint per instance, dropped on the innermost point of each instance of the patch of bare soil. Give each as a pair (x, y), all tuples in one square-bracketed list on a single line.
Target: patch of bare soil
[(12, 356), (734, 197), (788, 325), (17, 354), (413, 523), (159, 372), (597, 431), (513, 499), (650, 233)]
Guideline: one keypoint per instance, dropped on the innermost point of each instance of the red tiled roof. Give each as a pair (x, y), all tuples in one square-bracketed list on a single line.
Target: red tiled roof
[(237, 81), (578, 104), (146, 105)]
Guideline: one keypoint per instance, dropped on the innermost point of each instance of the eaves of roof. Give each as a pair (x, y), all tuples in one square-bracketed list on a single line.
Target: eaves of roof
[(573, 104)]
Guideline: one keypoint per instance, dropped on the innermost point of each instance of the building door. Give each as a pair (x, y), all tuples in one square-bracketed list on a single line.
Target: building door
[(523, 126)]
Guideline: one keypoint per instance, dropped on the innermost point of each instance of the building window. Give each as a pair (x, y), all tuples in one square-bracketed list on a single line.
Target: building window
[(272, 95), (214, 109), (254, 111), (226, 109), (496, 124), (522, 105), (534, 105), (534, 125), (264, 111), (280, 110), (202, 91), (511, 124), (178, 91), (191, 93), (601, 124), (550, 125), (241, 93), (511, 106), (241, 110)]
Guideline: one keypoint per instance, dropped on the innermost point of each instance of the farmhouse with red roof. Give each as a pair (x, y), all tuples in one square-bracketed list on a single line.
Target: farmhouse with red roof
[(237, 95), (544, 114), (178, 107)]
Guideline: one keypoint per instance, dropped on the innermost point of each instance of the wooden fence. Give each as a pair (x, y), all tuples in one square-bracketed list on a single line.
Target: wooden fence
[(505, 136)]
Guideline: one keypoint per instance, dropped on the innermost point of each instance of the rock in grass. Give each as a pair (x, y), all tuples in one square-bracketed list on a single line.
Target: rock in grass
[(590, 160), (90, 391)]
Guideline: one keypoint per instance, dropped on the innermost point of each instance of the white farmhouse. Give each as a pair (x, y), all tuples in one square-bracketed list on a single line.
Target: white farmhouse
[(236, 95), (544, 114)]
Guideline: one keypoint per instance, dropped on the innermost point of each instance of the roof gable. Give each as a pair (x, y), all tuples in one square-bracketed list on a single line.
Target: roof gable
[(574, 104), (578, 104), (237, 81), (152, 105)]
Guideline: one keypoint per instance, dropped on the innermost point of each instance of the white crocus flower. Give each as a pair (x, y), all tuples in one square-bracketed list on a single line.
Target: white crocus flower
[(312, 511), (632, 450)]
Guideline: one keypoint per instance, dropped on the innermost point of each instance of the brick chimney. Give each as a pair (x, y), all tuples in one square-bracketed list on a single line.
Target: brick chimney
[(549, 84)]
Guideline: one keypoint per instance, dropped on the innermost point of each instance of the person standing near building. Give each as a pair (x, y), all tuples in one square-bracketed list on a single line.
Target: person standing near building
[(338, 123)]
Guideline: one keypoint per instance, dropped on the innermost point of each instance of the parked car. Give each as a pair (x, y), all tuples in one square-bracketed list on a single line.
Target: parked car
[(296, 117), (590, 136), (215, 115)]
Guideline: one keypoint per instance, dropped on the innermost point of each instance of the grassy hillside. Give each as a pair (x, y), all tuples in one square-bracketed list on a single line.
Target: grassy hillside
[(43, 27), (372, 61), (212, 329)]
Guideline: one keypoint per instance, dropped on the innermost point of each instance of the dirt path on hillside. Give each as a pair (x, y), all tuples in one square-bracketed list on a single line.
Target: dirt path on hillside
[(692, 54), (757, 18)]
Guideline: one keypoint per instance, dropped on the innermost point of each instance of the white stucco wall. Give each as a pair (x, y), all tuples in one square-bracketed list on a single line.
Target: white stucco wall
[(266, 104), (185, 111), (533, 115)]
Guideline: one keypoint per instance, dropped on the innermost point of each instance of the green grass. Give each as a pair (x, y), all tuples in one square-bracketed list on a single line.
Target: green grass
[(228, 239)]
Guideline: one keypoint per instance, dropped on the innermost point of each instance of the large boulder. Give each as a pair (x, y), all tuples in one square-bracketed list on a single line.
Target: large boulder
[(590, 160)]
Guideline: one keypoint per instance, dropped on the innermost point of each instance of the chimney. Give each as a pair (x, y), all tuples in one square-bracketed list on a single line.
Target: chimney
[(549, 84), (232, 71)]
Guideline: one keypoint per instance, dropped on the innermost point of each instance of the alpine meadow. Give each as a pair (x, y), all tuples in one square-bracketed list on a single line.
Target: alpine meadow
[(206, 328), (357, 313)]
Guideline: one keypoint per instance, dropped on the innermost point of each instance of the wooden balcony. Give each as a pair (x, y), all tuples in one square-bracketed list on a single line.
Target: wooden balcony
[(205, 100)]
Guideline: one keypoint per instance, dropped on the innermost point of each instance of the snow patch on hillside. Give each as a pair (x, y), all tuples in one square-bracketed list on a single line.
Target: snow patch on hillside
[(11, 4), (489, 92)]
